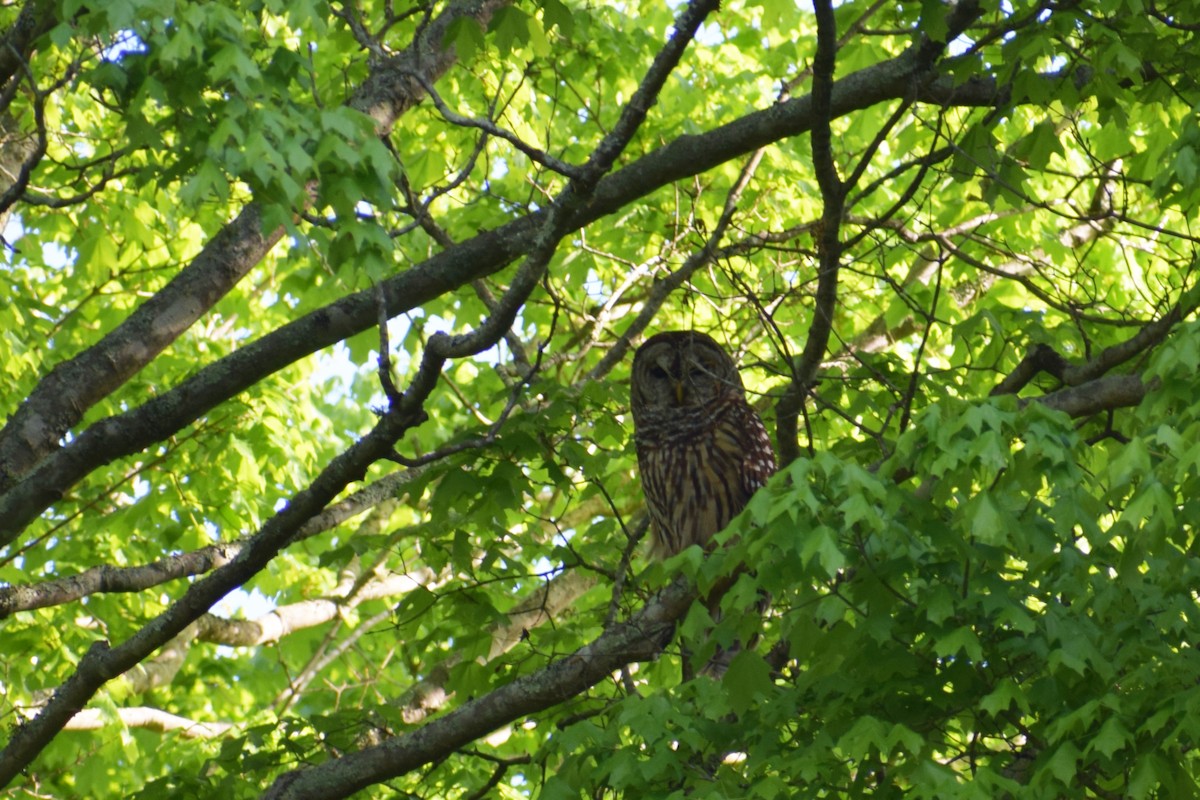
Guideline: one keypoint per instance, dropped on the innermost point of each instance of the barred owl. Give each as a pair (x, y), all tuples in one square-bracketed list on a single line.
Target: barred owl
[(702, 449)]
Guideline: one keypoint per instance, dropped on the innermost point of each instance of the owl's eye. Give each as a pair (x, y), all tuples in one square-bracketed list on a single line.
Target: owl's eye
[(658, 373)]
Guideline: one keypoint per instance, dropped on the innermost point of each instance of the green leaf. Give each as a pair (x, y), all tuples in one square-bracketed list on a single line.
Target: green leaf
[(555, 14), (1064, 762), (987, 524), (747, 680), (933, 20), (1186, 165), (960, 640), (1112, 737), (466, 36), (1004, 697), (822, 543), (1036, 148), (866, 735)]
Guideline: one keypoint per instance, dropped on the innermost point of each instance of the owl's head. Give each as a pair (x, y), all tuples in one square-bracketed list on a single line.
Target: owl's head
[(681, 370)]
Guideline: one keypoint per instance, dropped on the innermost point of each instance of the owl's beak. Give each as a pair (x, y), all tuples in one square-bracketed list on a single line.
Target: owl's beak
[(679, 392)]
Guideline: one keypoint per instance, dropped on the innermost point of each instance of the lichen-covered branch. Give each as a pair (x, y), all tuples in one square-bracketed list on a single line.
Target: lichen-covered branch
[(155, 719)]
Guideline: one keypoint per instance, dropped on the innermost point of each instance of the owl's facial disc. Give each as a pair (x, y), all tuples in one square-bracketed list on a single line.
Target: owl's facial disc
[(666, 373)]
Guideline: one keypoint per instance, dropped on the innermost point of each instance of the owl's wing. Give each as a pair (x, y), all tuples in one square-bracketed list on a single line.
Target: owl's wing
[(743, 441), (758, 461)]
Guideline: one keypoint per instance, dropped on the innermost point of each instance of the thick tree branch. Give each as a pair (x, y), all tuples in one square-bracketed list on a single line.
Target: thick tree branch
[(1040, 358), (1150, 335), (37, 17), (1096, 396), (113, 579), (833, 196), (280, 622), (391, 90), (93, 719), (642, 638), (59, 400), (829, 248)]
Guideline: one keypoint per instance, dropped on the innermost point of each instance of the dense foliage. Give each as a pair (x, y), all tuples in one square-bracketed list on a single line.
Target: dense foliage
[(953, 248)]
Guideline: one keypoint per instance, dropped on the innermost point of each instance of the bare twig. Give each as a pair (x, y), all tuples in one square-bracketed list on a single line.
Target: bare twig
[(535, 154), (497, 775), (914, 379)]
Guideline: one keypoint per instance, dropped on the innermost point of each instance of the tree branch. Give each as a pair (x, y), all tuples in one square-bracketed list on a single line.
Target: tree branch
[(829, 249), (1040, 358), (268, 628), (544, 604), (833, 195), (94, 719), (1043, 358), (662, 289), (537, 155), (642, 638), (36, 19), (1101, 394), (196, 562), (61, 398)]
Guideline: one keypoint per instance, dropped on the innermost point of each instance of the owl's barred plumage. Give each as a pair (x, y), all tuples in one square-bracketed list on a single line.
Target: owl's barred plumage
[(702, 449)]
